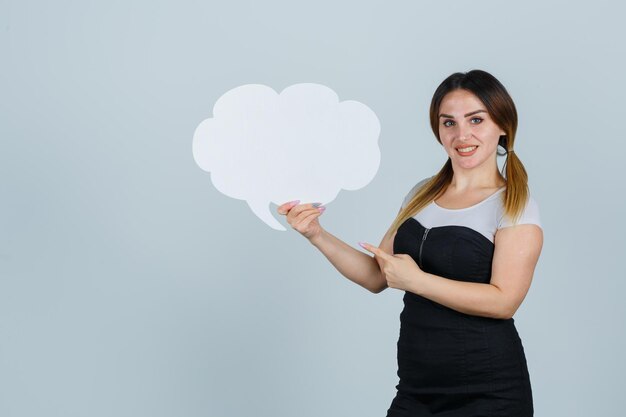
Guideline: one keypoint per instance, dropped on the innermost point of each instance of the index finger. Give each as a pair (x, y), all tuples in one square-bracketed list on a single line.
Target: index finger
[(375, 250), (284, 208)]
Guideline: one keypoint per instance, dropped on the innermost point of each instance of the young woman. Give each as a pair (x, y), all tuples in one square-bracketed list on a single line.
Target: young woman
[(463, 248)]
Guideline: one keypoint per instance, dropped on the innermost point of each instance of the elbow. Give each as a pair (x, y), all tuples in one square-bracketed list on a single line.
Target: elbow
[(504, 307), (506, 316), (380, 284), (505, 313), (377, 290)]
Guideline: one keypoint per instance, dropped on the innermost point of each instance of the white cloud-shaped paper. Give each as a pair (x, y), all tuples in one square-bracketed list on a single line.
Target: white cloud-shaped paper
[(302, 144)]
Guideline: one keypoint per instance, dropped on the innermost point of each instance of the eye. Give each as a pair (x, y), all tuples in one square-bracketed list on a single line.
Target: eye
[(473, 118), (446, 121)]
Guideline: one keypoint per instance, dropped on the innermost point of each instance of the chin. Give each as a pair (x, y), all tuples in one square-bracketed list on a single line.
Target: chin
[(467, 163)]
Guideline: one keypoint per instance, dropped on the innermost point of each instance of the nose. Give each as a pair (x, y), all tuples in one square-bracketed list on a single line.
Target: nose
[(464, 132)]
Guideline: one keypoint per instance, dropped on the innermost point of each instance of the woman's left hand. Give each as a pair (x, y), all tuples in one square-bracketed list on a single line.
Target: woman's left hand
[(400, 271)]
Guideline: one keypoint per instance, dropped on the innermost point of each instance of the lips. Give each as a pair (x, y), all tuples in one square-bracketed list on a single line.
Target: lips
[(470, 153)]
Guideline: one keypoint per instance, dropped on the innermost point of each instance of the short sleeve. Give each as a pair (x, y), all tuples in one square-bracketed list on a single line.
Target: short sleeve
[(414, 191), (530, 215)]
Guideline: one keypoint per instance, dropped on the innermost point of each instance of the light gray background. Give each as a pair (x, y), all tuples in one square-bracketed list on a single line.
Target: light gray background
[(130, 287)]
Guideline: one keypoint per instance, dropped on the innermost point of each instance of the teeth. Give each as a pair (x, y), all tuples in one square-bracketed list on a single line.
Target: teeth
[(471, 148)]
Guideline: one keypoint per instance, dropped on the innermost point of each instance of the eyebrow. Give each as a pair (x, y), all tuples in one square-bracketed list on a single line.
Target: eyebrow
[(468, 114)]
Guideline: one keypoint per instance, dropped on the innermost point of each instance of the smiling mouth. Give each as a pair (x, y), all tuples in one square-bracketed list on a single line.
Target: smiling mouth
[(468, 150)]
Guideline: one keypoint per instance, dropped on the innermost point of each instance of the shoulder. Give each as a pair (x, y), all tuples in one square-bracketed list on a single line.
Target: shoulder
[(414, 190), (530, 215)]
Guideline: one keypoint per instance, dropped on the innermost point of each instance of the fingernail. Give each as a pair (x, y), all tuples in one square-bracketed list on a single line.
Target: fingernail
[(294, 202), (362, 244), (317, 204)]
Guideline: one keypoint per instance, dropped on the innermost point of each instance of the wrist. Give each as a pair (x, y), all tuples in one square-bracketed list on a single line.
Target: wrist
[(417, 283), (317, 239)]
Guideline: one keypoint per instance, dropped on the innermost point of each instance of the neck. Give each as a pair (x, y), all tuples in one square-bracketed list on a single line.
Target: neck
[(476, 178)]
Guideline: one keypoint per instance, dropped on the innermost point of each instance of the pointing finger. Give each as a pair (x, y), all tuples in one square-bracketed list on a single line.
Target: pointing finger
[(375, 250), (284, 208)]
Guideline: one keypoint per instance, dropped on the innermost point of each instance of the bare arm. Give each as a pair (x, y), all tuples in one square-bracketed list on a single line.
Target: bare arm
[(357, 266), (515, 257)]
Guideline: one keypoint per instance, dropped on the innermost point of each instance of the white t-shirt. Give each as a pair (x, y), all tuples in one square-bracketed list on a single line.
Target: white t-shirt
[(485, 217)]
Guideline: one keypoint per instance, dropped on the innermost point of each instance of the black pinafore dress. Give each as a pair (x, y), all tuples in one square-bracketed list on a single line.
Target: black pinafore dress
[(450, 363)]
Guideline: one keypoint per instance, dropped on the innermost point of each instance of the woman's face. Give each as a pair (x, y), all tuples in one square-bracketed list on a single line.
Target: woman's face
[(464, 122)]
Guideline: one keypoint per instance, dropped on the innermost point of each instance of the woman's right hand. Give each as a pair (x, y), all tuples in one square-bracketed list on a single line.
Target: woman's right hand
[(303, 217)]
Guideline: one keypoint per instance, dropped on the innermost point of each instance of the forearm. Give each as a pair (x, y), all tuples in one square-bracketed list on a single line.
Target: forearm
[(358, 267), (466, 297)]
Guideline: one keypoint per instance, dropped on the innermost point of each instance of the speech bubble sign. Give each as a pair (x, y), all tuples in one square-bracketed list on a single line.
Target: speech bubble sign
[(302, 144)]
